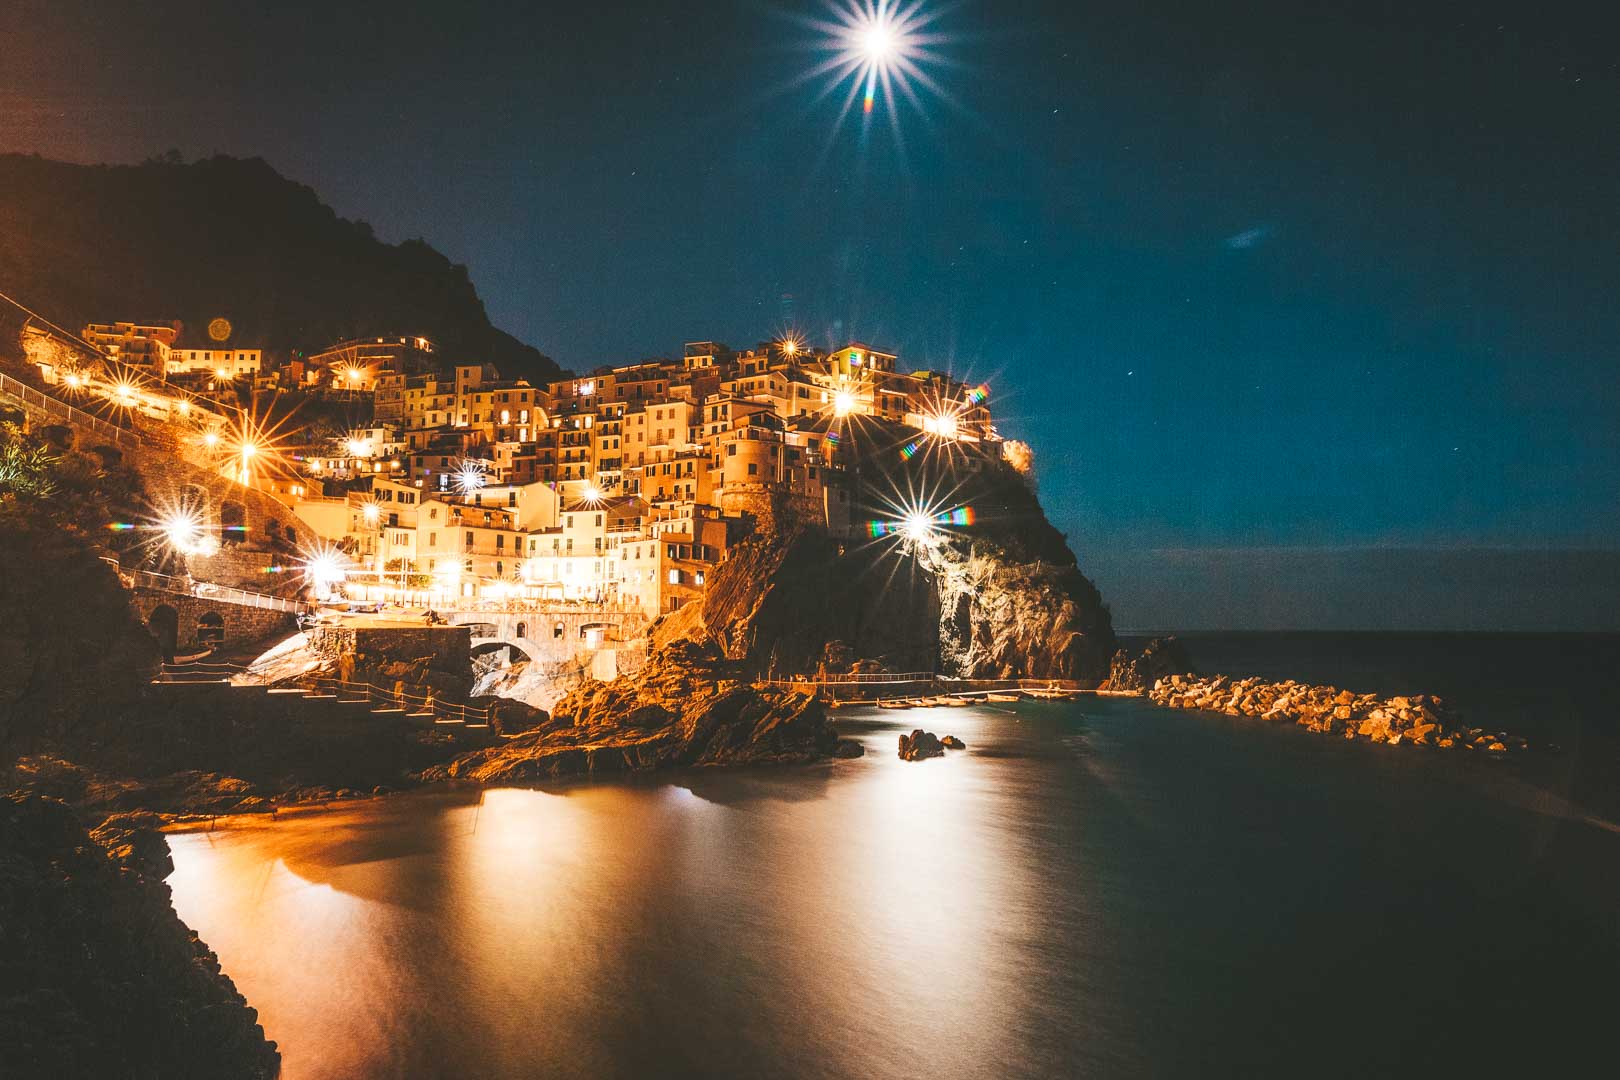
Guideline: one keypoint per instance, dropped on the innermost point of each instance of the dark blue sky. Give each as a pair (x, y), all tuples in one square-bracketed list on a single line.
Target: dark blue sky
[(1280, 276)]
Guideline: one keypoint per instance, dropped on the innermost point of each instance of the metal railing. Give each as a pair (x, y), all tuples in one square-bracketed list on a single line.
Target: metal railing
[(191, 671), (31, 397), (204, 590), (403, 699), (940, 683)]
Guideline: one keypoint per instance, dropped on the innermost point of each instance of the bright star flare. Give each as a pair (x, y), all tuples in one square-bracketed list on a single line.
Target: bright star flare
[(880, 49)]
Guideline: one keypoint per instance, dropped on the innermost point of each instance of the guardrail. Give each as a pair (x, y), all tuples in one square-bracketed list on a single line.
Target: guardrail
[(403, 699), (939, 683), (205, 590), (29, 396)]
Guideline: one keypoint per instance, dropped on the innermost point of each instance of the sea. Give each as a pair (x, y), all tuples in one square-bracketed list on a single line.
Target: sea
[(1099, 888)]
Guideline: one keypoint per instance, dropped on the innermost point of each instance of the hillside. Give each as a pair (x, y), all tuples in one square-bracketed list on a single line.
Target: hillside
[(232, 238)]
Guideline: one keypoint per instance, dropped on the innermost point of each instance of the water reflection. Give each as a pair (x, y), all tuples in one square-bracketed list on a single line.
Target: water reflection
[(1067, 895)]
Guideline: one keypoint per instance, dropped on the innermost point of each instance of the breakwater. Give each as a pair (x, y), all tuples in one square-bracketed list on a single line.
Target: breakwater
[(1416, 719)]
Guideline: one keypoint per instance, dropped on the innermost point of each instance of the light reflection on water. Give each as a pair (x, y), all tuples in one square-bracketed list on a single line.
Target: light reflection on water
[(1071, 894)]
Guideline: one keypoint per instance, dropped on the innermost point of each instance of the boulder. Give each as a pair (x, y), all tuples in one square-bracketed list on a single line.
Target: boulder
[(951, 742), (920, 744)]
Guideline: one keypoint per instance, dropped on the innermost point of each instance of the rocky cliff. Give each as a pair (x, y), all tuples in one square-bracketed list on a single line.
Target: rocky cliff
[(995, 594), (688, 706), (98, 976)]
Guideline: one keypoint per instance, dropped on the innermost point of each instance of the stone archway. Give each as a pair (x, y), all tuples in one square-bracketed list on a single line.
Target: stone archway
[(164, 625), (211, 628)]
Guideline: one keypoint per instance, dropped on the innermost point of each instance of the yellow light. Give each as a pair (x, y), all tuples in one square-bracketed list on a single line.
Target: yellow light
[(125, 391), (843, 402), (790, 347), (73, 380), (181, 531), (917, 528), (211, 440), (184, 407), (592, 493), (354, 374), (373, 513), (357, 448), (219, 372), (248, 449)]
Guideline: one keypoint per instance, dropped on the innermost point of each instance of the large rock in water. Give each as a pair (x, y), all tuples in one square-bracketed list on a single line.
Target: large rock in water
[(1160, 657), (688, 705), (98, 976), (920, 744)]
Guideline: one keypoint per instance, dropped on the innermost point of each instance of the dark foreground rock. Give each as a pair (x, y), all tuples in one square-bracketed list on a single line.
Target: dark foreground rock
[(951, 742), (687, 706), (1418, 719), (920, 744), (98, 976), (1160, 657)]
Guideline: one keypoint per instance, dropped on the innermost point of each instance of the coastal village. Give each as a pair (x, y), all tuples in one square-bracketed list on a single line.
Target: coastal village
[(449, 485)]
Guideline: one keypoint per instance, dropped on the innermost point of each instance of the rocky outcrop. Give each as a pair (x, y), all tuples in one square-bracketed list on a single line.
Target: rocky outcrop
[(1420, 719), (687, 706), (998, 595), (1004, 615), (920, 744), (98, 976), (1160, 657)]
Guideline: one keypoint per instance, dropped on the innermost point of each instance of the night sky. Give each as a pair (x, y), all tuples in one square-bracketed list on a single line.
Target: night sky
[(1313, 317)]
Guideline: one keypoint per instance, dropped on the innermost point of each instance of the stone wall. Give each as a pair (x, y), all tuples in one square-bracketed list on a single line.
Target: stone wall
[(259, 557), (240, 625)]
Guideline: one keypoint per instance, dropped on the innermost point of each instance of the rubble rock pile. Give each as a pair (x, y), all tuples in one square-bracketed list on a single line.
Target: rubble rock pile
[(1419, 719)]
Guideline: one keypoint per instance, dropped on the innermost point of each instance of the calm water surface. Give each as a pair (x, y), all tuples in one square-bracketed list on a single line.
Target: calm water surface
[(1101, 889)]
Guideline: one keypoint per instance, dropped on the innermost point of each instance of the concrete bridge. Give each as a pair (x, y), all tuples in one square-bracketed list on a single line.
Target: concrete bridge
[(559, 634), (191, 616)]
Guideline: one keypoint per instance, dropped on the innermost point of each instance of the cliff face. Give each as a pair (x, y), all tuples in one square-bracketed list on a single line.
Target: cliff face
[(789, 591), (98, 976), (687, 706), (1000, 596), (232, 238)]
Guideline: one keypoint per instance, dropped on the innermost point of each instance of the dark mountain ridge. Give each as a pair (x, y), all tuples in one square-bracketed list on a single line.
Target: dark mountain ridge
[(233, 238)]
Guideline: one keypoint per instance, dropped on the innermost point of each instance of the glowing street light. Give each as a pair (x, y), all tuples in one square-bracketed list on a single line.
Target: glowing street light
[(791, 346), (918, 528), (372, 513), (470, 476), (74, 380), (843, 403), (357, 448), (326, 568), (211, 439), (182, 530), (591, 494)]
